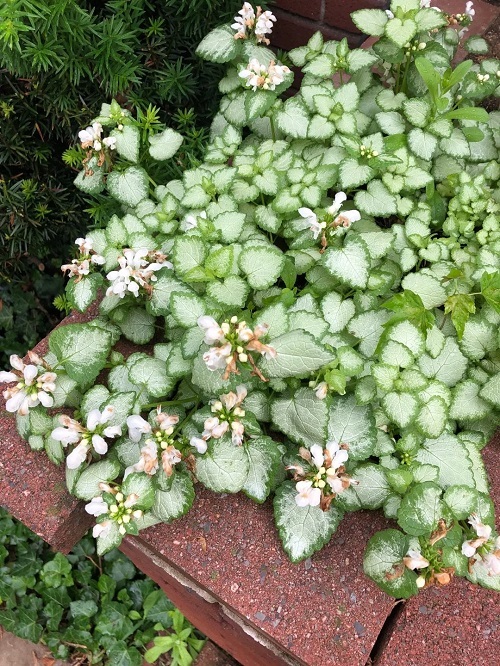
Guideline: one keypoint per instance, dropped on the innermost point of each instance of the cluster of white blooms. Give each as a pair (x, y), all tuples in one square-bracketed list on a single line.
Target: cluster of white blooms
[(137, 269), (332, 218), (81, 266), (330, 478), (121, 511), (86, 437), (490, 555), (250, 21), (257, 75), (233, 340), (227, 414), (91, 138), (34, 384)]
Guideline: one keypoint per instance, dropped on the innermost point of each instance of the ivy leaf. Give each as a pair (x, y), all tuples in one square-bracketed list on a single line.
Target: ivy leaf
[(383, 563), (303, 530), (409, 306), (461, 306), (490, 289)]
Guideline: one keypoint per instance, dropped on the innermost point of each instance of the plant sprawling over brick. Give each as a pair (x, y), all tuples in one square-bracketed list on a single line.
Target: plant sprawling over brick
[(319, 300)]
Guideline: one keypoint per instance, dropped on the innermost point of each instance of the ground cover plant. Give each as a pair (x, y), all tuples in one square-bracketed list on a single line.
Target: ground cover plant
[(85, 608), (315, 307)]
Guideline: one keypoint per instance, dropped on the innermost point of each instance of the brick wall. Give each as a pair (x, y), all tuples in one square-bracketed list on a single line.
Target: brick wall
[(299, 19)]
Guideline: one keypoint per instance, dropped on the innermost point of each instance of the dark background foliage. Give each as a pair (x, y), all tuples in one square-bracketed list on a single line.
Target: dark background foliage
[(59, 60)]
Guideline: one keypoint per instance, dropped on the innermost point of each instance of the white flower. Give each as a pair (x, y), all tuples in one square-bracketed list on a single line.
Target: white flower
[(135, 272), (31, 388), (170, 457), (110, 142), (102, 529), (91, 135), (85, 245), (238, 430), (264, 26), (346, 218), (321, 390), (96, 507), (245, 20), (307, 495), (215, 428), (216, 357), (137, 427), (78, 455), (415, 560), (312, 220), (469, 11), (213, 332), (260, 76), (199, 444), (480, 529), (318, 457), (390, 15)]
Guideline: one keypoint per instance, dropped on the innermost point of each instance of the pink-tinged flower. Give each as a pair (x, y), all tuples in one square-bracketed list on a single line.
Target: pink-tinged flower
[(216, 357), (307, 495), (33, 386), (199, 444), (469, 11), (213, 332), (148, 460), (191, 221), (492, 562), (243, 22), (169, 458), (227, 411), (102, 529), (137, 427), (311, 218), (110, 142), (321, 390), (263, 77), (96, 507), (480, 529), (264, 25), (238, 430), (91, 136), (415, 560), (136, 271), (346, 218)]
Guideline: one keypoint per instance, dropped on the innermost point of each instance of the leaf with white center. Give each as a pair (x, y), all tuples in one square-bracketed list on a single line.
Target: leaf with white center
[(422, 144), (137, 326), (401, 408), (322, 66), (400, 32), (140, 484), (466, 404), (261, 265), (417, 111), (350, 361), (186, 308), (391, 122), (303, 530), (448, 367), (462, 501), (301, 416), (397, 354), (81, 350), (476, 45), (224, 467), (320, 128), (368, 327), (219, 45), (257, 102), (383, 563), (231, 293), (166, 285), (127, 142), (111, 539), (349, 264), (450, 456), (191, 342), (196, 197), (370, 21), (388, 101), (372, 488), (478, 339), (337, 312), (352, 174), (293, 118), (94, 398), (220, 261), (385, 375), (297, 355), (176, 501), (209, 382), (456, 145), (480, 574), (429, 19), (87, 485), (432, 417), (376, 200), (308, 321), (276, 317), (427, 287), (151, 374), (264, 459), (164, 145), (354, 425), (230, 225), (66, 391), (129, 186), (359, 59), (481, 480), (267, 219), (189, 252), (491, 391), (257, 402), (83, 292), (347, 96), (416, 178), (420, 509), (409, 335)]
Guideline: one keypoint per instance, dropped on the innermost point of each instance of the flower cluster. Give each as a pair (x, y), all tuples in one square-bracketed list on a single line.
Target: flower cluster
[(82, 265), (257, 75), (234, 340), (259, 23), (320, 486), (35, 383), (137, 269), (86, 437), (227, 412), (483, 546), (331, 219), (91, 138), (119, 510)]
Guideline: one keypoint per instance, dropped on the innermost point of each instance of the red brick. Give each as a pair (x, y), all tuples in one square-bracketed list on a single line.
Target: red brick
[(338, 14), (310, 8), (211, 655), (291, 31)]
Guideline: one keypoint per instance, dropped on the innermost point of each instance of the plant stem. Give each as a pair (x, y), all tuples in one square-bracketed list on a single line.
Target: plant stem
[(273, 131), (166, 403)]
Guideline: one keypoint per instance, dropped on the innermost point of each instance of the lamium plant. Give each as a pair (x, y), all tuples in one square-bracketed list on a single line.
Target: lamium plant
[(315, 307)]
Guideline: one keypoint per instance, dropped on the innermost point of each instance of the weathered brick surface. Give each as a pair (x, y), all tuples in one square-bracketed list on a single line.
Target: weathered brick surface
[(338, 14), (312, 9)]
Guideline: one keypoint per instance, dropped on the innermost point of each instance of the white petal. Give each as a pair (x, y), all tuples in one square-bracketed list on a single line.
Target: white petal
[(77, 456), (99, 444), (199, 444), (7, 377), (46, 399), (112, 431), (30, 372), (93, 419), (307, 212), (65, 435), (15, 403), (96, 507)]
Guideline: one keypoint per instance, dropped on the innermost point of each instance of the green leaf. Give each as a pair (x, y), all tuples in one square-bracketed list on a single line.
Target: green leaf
[(176, 501), (359, 59), (420, 509), (151, 374), (232, 292), (137, 326), (400, 32), (427, 287), (293, 118), (349, 264), (490, 289), (262, 265), (297, 355), (87, 485), (83, 292), (219, 45), (81, 350), (189, 252), (372, 487), (264, 460), (466, 403), (224, 468), (129, 187), (303, 530), (460, 306), (370, 21), (352, 424), (448, 366), (337, 312), (468, 113), (127, 142), (449, 455), (376, 200), (164, 145), (353, 174), (476, 45), (301, 416), (429, 19), (409, 306), (186, 308), (230, 225), (383, 562), (91, 180), (417, 112)]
